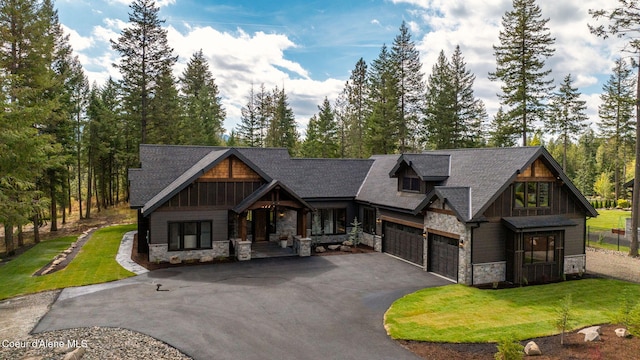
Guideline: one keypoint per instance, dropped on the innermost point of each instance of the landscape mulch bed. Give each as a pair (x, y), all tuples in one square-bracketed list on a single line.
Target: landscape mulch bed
[(610, 347)]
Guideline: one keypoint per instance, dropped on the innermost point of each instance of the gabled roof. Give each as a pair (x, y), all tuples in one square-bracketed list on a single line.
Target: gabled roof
[(264, 190), (208, 162), (458, 199), (429, 167)]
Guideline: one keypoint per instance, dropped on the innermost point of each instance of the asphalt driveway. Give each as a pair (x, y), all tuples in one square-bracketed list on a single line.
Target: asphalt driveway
[(289, 308)]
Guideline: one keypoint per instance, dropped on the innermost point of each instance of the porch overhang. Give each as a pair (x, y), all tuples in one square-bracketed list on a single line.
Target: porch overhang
[(257, 201), (535, 223)]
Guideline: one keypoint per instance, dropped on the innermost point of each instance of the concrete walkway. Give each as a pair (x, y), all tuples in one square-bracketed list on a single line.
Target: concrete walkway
[(320, 307), (124, 255)]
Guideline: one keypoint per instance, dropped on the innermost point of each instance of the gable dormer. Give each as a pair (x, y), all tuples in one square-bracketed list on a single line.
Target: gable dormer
[(419, 173)]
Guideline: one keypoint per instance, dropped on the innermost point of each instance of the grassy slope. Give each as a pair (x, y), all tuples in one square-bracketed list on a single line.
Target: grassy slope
[(459, 314), (94, 263)]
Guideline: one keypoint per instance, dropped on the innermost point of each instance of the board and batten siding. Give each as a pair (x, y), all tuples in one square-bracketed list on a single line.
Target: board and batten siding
[(159, 223), (489, 242), (574, 237)]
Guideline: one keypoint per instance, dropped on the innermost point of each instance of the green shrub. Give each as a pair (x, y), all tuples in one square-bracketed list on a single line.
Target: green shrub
[(509, 349), (624, 204)]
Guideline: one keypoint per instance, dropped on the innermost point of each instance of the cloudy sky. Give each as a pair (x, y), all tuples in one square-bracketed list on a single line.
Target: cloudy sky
[(310, 47)]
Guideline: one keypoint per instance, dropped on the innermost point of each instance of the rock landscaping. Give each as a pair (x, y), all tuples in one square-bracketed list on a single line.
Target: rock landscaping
[(64, 258)]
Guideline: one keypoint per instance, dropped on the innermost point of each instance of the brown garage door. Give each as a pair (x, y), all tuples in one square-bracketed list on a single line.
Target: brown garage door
[(443, 256), (404, 242)]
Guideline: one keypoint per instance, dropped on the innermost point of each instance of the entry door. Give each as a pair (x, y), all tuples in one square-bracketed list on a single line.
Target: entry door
[(260, 224)]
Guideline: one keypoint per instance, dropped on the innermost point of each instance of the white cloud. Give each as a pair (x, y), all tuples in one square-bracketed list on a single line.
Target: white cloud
[(475, 25), (77, 41)]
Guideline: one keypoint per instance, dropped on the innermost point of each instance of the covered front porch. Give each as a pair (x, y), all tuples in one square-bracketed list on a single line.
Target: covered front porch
[(272, 222)]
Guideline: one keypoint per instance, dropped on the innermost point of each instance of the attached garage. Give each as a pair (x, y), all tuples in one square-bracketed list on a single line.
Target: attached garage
[(403, 241), (443, 256)]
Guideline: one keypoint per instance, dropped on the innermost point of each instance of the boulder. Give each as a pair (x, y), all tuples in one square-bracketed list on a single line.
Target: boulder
[(596, 328), (532, 349), (76, 354), (345, 248), (73, 245), (206, 258), (320, 249), (68, 251), (57, 262), (175, 259), (347, 243), (334, 247), (591, 336), (622, 332)]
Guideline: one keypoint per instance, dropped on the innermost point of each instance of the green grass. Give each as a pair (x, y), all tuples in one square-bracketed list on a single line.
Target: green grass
[(94, 263), (609, 219), (461, 314), (595, 244)]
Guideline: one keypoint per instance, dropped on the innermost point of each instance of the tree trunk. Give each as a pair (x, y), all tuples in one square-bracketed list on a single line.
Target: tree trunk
[(36, 227), (8, 239), (88, 214), (20, 237), (633, 249), (95, 186), (54, 205)]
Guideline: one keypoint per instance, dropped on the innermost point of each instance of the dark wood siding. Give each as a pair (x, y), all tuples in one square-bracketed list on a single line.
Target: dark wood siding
[(223, 195), (159, 220), (489, 242), (574, 237), (562, 203)]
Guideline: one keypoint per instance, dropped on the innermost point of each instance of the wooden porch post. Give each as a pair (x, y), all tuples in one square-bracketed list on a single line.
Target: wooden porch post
[(243, 226), (303, 225)]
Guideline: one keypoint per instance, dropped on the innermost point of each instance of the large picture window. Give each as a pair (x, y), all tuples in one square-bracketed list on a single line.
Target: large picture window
[(539, 248), (329, 222), (190, 235), (531, 194)]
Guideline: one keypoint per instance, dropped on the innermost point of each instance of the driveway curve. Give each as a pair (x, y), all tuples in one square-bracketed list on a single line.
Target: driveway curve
[(321, 307)]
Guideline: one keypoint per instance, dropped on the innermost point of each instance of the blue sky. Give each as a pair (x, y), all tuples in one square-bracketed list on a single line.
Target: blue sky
[(310, 47)]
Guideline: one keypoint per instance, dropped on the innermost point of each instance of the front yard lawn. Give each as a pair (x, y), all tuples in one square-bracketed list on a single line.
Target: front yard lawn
[(609, 219), (94, 263), (462, 314)]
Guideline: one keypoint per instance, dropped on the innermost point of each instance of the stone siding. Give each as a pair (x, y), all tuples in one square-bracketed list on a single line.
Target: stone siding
[(488, 273), (574, 264), (160, 252), (302, 246), (450, 224)]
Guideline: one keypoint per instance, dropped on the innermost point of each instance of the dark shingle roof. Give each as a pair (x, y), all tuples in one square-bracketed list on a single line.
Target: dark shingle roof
[(533, 222), (429, 167)]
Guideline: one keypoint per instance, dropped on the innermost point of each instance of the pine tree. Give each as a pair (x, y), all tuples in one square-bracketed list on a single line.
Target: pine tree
[(145, 55), (265, 106), (440, 119), (616, 116), (382, 124), (322, 134), (566, 115), (407, 68), (165, 113), (586, 174), (282, 130), (356, 110), (525, 43), (470, 113), (249, 127), (204, 113), (504, 132)]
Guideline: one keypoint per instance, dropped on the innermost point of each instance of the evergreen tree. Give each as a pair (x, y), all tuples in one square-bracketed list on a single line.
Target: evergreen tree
[(265, 106), (525, 43), (282, 130), (407, 68), (616, 116), (504, 132), (469, 111), (382, 124), (204, 113), (145, 56), (356, 110), (322, 134), (440, 119), (249, 127), (567, 115), (586, 174), (165, 114)]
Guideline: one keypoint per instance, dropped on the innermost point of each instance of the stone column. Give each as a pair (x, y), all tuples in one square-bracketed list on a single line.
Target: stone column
[(304, 247), (243, 250), (377, 243)]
